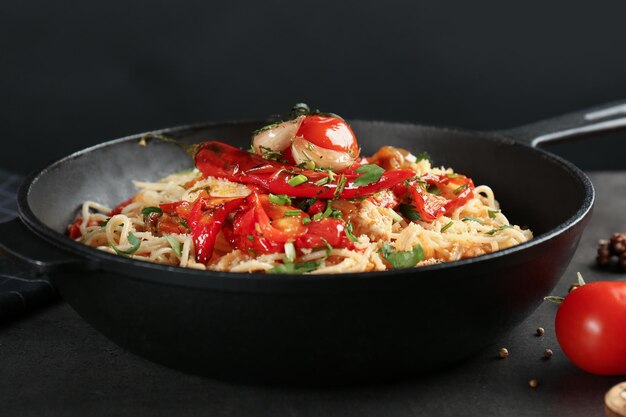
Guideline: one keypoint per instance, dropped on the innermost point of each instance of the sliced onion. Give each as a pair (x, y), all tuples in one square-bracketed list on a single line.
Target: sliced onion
[(304, 151), (276, 137)]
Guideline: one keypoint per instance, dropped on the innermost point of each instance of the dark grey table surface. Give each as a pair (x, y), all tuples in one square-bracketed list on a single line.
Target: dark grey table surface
[(52, 363)]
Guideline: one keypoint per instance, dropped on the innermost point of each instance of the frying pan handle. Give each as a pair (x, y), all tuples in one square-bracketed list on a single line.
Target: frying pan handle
[(600, 119), (35, 254)]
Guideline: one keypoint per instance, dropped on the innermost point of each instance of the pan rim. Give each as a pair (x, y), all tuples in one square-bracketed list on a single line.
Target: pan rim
[(196, 278)]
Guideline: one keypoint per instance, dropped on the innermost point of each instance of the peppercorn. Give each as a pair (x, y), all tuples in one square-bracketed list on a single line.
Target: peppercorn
[(618, 243), (614, 247), (533, 383), (604, 254), (548, 353), (504, 352), (540, 331)]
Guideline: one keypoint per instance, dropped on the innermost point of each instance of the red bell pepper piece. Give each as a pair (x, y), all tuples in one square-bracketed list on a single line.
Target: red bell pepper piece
[(429, 206), (328, 230), (455, 191), (205, 221), (178, 208), (461, 191)]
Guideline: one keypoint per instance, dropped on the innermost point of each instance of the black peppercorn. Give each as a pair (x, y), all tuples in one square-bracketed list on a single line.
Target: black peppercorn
[(614, 247)]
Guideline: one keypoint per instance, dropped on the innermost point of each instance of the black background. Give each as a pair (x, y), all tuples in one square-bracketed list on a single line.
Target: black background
[(74, 74)]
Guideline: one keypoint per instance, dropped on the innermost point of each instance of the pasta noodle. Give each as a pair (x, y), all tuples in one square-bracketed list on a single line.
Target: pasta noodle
[(474, 228)]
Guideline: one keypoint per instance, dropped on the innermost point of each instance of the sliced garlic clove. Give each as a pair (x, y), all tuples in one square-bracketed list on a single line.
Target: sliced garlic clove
[(276, 137), (304, 151)]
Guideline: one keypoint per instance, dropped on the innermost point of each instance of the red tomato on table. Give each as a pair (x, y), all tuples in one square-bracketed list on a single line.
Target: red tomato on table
[(591, 327)]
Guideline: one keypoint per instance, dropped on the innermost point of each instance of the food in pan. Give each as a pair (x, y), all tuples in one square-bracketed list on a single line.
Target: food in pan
[(302, 200)]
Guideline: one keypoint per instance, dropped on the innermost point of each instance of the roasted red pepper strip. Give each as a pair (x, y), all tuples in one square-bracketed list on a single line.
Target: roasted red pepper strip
[(264, 227), (319, 233), (429, 206), (278, 184), (272, 221), (455, 190), (218, 159), (179, 208), (224, 161), (242, 233), (205, 221)]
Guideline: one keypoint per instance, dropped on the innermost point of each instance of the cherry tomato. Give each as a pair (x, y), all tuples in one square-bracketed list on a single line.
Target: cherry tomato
[(591, 327), (329, 132)]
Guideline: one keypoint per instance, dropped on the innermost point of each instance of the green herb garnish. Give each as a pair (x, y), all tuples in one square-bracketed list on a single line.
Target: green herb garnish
[(410, 213), (331, 174), (329, 248), (175, 244), (306, 220), (370, 173), (133, 240), (149, 210), (270, 154), (460, 188), (402, 259), (280, 199), (250, 238), (433, 189), (349, 233), (494, 231), (297, 180), (184, 224), (472, 219), (492, 213), (422, 155), (446, 227), (104, 223), (297, 268), (322, 181), (292, 213), (341, 184), (306, 204)]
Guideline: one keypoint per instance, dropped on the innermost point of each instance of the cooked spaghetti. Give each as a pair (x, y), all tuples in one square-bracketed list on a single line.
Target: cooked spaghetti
[(298, 203)]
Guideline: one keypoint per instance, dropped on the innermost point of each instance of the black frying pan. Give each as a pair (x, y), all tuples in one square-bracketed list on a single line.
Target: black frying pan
[(314, 329)]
